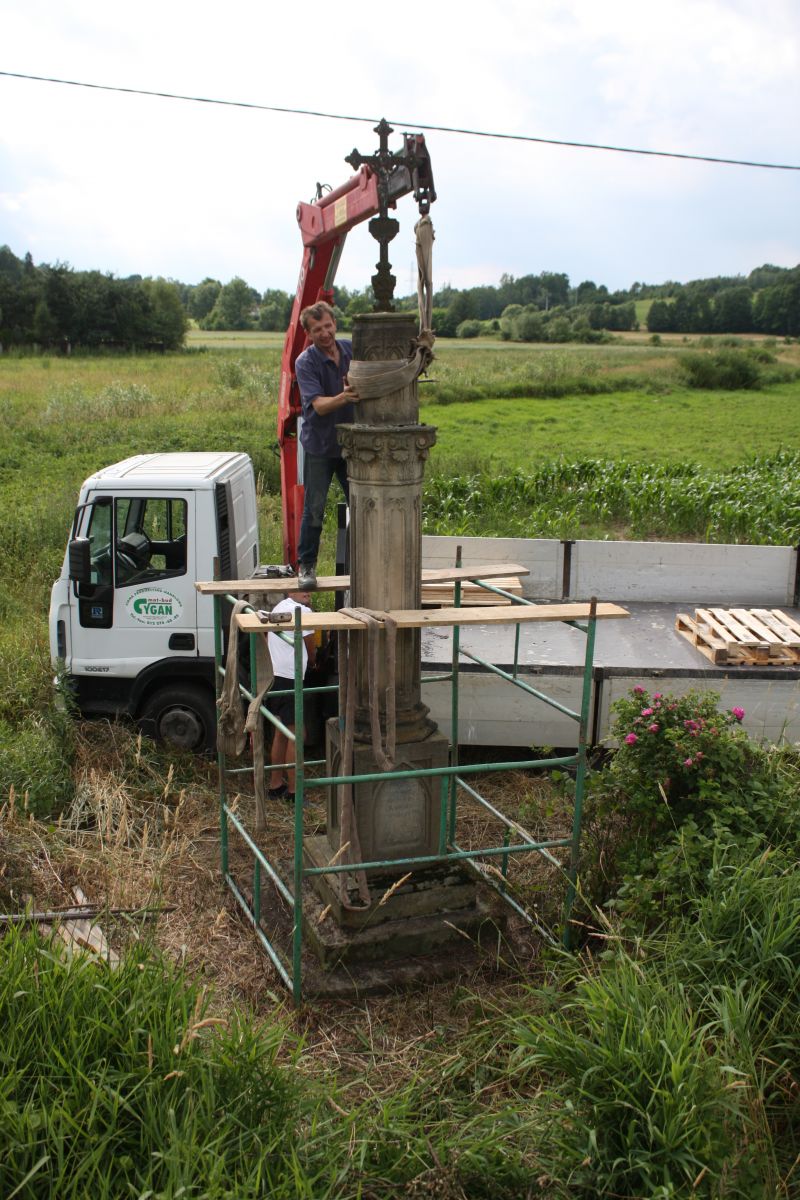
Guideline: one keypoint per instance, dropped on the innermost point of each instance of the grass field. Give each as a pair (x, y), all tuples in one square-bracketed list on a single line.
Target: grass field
[(536, 440), (662, 1063)]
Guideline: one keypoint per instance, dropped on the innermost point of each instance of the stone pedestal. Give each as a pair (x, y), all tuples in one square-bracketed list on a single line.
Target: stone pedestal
[(396, 819)]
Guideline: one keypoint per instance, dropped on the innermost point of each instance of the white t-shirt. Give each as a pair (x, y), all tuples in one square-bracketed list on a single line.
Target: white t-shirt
[(282, 652)]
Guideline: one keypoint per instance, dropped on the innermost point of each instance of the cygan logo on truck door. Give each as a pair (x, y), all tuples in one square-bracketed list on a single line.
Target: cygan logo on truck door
[(154, 606)]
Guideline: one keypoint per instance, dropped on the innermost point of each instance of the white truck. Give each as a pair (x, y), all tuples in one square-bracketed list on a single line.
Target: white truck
[(131, 635), (129, 632)]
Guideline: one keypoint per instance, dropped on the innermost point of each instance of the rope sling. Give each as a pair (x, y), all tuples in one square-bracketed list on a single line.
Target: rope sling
[(232, 725)]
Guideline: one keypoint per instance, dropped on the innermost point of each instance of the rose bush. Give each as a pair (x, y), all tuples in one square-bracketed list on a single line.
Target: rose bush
[(684, 781)]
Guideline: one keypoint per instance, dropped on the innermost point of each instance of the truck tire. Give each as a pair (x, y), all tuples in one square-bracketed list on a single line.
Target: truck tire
[(182, 716)]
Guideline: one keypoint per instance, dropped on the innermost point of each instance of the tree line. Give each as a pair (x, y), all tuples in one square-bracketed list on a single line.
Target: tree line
[(56, 306), (767, 302)]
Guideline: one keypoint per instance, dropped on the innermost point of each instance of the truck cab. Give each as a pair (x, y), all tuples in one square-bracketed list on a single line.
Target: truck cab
[(129, 633)]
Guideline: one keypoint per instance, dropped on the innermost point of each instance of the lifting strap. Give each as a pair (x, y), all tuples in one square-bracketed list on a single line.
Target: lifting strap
[(232, 725), (374, 380), (384, 755), (425, 236)]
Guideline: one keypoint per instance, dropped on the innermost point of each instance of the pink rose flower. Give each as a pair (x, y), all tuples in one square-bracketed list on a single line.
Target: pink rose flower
[(638, 690), (631, 739), (647, 712), (687, 762), (738, 713), (652, 728)]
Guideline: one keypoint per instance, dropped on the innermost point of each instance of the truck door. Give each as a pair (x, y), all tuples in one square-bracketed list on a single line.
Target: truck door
[(141, 605)]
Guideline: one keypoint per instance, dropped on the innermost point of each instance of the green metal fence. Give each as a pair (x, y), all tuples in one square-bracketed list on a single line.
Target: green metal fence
[(452, 780)]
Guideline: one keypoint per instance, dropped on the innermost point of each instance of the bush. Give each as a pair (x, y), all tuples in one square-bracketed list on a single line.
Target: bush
[(675, 750), (685, 781), (469, 329), (729, 370)]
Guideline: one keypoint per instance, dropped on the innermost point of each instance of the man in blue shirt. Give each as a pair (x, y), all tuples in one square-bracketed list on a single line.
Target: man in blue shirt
[(327, 400)]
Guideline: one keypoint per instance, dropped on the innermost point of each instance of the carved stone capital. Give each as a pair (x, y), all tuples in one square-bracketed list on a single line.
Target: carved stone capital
[(386, 454)]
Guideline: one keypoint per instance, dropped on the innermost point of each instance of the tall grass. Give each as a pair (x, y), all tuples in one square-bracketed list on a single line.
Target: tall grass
[(118, 1083), (638, 1106)]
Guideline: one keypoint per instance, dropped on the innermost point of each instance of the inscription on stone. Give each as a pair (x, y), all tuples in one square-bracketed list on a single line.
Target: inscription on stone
[(400, 813)]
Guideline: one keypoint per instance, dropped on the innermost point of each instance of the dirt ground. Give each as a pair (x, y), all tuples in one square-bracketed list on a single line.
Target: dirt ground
[(142, 832)]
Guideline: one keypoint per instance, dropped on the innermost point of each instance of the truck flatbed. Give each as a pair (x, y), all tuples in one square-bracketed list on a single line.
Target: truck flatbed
[(655, 582)]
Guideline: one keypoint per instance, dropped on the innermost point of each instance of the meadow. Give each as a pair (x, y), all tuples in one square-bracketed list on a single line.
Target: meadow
[(659, 1062)]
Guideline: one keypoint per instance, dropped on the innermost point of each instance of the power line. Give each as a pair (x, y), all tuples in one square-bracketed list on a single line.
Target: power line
[(309, 112)]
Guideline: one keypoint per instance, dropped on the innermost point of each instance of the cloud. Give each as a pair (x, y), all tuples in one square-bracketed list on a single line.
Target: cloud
[(139, 184)]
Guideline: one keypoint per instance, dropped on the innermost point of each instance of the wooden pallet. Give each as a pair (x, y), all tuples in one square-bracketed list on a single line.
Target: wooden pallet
[(743, 636), (471, 593)]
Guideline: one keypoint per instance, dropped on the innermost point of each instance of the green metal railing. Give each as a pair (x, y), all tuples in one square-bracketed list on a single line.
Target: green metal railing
[(452, 779)]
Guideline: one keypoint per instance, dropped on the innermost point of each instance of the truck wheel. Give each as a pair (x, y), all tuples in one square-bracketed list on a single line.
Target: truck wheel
[(183, 717)]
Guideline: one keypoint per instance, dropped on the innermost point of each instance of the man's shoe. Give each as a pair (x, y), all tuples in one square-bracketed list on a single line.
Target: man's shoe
[(278, 793), (306, 577)]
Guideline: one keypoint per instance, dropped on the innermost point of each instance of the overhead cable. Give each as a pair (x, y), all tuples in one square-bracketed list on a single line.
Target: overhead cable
[(484, 133)]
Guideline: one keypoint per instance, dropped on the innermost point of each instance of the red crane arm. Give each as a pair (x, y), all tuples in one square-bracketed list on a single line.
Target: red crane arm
[(324, 225)]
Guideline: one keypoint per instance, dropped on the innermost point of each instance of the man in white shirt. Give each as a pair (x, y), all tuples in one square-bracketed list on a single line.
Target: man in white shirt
[(281, 649)]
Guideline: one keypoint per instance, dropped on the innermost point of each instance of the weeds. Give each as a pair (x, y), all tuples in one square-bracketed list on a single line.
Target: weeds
[(638, 1106), (140, 1091)]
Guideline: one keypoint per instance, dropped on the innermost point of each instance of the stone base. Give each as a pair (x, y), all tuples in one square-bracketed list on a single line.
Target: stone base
[(439, 911), (395, 942), (443, 888), (479, 939), (398, 818)]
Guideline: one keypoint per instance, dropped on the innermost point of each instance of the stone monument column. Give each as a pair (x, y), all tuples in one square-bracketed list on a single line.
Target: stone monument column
[(386, 449)]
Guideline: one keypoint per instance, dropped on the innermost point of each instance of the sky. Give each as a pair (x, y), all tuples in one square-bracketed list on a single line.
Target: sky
[(141, 185)]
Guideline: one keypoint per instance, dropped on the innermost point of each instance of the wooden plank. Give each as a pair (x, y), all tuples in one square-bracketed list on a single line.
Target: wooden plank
[(788, 635), (86, 934), (740, 634), (787, 620), (756, 626), (486, 571), (471, 593), (340, 583), (714, 649), (705, 620), (772, 647), (510, 614)]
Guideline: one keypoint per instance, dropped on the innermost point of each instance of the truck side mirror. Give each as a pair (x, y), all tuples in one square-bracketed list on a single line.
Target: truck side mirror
[(80, 560)]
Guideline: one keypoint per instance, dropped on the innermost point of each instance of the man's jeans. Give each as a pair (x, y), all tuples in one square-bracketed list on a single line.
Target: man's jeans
[(318, 472)]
